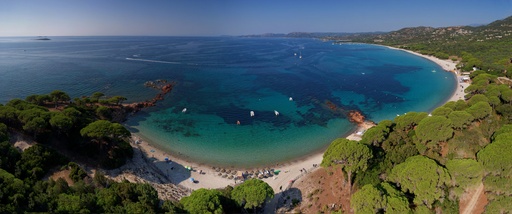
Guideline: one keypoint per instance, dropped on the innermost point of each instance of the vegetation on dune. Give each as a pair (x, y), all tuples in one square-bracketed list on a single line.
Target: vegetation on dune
[(375, 199), (422, 177), (252, 194), (203, 201), (350, 155)]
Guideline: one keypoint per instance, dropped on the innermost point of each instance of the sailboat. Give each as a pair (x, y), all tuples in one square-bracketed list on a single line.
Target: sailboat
[(291, 99), (184, 110), (276, 113), (252, 113)]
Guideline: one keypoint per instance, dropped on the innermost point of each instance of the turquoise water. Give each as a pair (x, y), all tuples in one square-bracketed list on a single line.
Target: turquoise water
[(220, 80)]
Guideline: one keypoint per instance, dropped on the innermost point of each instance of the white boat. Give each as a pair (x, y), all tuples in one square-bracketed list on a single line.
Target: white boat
[(291, 99), (184, 110), (276, 112), (252, 113)]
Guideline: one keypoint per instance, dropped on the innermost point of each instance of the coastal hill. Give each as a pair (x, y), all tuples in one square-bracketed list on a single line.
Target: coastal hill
[(486, 47), (497, 30), (332, 36), (500, 30)]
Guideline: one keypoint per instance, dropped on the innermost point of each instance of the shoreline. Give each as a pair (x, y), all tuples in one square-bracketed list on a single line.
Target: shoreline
[(176, 169), (447, 65), (212, 177)]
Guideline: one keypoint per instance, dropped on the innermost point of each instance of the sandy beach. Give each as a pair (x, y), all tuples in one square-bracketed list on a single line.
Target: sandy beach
[(178, 176), (181, 172)]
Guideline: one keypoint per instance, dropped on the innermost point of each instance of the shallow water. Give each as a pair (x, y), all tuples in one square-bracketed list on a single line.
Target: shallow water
[(220, 80)]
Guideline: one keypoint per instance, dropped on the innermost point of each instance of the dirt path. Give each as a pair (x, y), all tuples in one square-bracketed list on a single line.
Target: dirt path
[(472, 203)]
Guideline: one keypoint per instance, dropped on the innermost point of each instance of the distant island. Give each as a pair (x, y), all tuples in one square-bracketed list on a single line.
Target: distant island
[(42, 38)]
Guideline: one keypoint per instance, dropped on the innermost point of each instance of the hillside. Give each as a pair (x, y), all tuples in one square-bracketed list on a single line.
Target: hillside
[(487, 47)]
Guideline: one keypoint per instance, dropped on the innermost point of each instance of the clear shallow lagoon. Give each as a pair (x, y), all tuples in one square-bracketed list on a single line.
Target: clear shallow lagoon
[(221, 79)]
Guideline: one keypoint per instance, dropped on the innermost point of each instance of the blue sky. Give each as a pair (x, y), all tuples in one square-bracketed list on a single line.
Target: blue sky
[(236, 17)]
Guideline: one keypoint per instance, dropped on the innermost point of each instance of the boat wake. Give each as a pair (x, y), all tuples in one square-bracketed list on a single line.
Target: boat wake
[(158, 61)]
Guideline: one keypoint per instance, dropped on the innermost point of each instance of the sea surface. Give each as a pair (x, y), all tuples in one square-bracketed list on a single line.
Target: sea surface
[(220, 80)]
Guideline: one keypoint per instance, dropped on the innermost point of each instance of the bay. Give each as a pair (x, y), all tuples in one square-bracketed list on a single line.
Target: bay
[(221, 79)]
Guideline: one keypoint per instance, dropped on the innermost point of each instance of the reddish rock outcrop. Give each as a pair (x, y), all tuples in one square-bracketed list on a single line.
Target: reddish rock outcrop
[(356, 117), (331, 105), (164, 89), (353, 116)]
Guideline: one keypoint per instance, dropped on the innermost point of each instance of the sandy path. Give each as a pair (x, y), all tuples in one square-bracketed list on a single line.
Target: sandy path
[(474, 199)]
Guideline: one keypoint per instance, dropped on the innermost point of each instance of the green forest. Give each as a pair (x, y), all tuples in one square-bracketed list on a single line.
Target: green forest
[(423, 163), (486, 47), (87, 130)]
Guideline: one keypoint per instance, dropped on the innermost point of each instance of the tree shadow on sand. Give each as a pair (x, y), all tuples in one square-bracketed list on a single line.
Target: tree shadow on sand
[(284, 201), (174, 171), (151, 169)]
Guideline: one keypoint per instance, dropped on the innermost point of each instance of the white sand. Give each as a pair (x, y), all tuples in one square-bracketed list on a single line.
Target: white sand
[(447, 65), (209, 177)]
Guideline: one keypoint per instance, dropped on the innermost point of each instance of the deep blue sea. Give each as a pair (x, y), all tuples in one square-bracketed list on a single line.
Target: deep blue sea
[(221, 79)]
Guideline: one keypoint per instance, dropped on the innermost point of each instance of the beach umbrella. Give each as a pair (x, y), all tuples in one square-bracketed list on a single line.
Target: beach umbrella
[(166, 159), (192, 179)]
